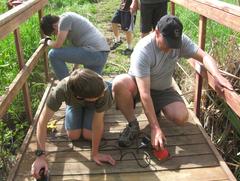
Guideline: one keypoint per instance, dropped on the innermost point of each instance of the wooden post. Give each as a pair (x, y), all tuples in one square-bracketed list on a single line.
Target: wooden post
[(202, 32), (172, 8), (26, 95), (45, 57), (199, 79)]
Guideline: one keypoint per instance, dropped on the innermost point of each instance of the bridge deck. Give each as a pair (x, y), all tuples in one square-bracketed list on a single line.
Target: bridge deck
[(193, 157)]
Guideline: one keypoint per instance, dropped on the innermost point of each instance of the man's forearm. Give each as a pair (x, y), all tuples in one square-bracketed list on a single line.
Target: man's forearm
[(211, 65), (150, 112)]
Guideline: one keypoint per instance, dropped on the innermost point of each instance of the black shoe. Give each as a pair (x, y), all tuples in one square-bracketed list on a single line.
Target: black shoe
[(129, 134), (115, 45), (127, 51)]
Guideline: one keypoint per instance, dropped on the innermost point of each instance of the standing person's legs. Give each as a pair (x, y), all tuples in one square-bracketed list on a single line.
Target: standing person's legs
[(128, 51), (146, 19), (116, 32), (129, 38), (77, 55), (116, 20), (124, 90), (127, 24), (159, 10)]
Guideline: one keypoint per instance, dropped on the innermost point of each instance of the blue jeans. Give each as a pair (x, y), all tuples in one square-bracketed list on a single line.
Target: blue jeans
[(94, 60), (81, 117)]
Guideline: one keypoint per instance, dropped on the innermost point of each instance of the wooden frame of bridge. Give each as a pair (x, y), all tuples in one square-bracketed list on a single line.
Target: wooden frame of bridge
[(193, 156)]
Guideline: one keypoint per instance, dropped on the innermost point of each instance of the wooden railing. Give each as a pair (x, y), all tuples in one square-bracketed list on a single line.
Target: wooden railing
[(10, 22), (225, 14)]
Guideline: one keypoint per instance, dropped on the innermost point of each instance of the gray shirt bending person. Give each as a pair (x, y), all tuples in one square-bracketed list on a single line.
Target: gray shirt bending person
[(87, 44)]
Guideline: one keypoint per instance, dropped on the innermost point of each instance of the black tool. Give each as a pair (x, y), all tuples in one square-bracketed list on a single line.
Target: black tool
[(43, 176), (145, 143)]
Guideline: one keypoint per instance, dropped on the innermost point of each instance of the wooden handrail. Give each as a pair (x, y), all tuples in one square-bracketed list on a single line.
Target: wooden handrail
[(225, 14), (11, 20), (230, 97), (221, 12), (20, 79)]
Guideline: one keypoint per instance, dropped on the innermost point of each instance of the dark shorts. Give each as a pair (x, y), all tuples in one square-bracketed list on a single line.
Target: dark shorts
[(151, 14), (162, 98), (125, 19)]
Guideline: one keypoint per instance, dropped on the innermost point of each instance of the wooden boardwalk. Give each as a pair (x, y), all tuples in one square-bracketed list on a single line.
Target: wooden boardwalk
[(193, 157)]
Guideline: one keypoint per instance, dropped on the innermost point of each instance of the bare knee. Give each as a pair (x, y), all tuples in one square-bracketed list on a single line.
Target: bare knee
[(123, 83), (176, 112), (87, 134), (181, 119), (74, 135)]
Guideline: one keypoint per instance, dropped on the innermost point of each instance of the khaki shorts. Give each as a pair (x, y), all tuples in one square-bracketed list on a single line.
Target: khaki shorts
[(162, 98)]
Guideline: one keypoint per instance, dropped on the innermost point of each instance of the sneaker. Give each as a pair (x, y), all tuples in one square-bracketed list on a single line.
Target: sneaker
[(127, 51), (115, 45), (129, 134)]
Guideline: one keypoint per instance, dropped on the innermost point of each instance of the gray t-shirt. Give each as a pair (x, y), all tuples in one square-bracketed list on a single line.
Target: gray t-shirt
[(152, 1), (148, 60), (82, 33), (61, 93)]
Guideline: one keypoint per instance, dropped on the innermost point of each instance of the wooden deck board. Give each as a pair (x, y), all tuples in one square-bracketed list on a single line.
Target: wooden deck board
[(208, 174), (191, 156)]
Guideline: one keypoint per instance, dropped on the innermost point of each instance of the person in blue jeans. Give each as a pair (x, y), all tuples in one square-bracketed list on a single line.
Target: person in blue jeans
[(88, 45), (89, 97)]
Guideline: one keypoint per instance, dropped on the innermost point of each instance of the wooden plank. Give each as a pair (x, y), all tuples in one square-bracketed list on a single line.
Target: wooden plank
[(215, 151), (199, 79), (230, 97), (10, 20), (169, 131), (175, 163), (25, 89), (172, 8), (215, 10), (202, 32), (45, 56), (19, 80), (171, 140), (10, 14), (196, 174), (28, 136), (77, 155), (121, 123)]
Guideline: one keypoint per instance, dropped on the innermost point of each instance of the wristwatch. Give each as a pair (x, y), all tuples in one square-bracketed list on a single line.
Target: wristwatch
[(39, 152)]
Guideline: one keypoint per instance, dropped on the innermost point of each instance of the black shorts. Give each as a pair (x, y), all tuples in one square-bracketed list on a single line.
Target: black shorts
[(162, 98), (151, 14), (125, 19)]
